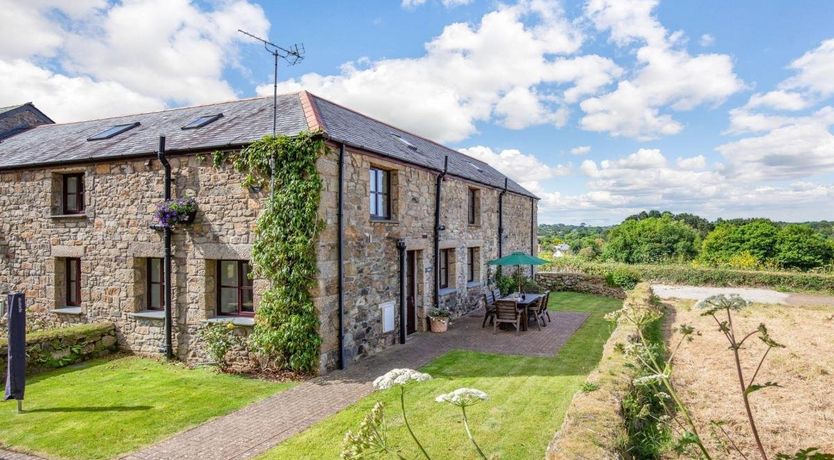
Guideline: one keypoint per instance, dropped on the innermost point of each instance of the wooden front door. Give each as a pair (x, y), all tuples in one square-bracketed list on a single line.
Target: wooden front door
[(411, 292)]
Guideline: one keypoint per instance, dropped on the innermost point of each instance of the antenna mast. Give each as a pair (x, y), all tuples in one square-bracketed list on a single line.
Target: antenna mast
[(292, 56)]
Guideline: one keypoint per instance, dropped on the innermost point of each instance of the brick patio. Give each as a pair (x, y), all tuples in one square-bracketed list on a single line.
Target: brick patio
[(260, 426)]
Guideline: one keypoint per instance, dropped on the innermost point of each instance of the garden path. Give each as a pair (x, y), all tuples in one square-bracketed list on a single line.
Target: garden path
[(254, 429), (758, 295)]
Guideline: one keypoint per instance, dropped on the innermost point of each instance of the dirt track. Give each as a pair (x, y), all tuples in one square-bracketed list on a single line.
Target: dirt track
[(758, 295)]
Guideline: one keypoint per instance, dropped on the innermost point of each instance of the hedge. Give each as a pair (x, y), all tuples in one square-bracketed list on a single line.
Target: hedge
[(594, 426), (53, 348), (701, 276)]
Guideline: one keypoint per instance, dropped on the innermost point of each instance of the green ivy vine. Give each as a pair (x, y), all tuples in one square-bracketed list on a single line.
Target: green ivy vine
[(284, 252)]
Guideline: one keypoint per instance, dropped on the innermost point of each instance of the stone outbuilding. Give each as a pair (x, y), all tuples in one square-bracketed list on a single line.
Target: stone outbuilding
[(77, 236)]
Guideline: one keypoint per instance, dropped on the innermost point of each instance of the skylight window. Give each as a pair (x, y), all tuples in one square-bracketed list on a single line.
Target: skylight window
[(112, 131), (203, 120), (476, 166), (404, 141)]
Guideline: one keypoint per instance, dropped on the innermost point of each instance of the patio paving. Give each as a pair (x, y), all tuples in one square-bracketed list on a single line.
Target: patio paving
[(258, 427)]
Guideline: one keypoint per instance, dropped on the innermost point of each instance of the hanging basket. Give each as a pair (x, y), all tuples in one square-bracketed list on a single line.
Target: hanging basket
[(173, 212)]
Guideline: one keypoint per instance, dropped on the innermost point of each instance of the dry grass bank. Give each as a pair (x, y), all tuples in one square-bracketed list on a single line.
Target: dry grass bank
[(798, 415)]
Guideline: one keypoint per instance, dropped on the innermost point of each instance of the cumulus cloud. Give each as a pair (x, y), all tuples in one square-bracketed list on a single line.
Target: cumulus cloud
[(523, 168), (517, 67), (692, 163), (706, 40), (580, 150), (815, 70), (667, 77), (779, 100), (121, 57)]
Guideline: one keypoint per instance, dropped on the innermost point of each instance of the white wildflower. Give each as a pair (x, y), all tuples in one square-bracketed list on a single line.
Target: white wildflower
[(648, 379), (463, 397), (720, 302), (396, 377)]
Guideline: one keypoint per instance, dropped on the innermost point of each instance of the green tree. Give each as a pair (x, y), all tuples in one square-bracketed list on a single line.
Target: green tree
[(651, 240), (753, 238), (799, 246)]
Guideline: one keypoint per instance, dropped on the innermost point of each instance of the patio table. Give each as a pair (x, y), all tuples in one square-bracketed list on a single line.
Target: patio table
[(524, 305)]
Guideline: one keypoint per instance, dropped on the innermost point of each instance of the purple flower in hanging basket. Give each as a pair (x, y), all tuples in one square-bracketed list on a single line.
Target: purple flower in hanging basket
[(172, 212)]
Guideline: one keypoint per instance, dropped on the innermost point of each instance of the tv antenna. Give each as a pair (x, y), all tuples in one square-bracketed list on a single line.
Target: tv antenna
[(292, 55)]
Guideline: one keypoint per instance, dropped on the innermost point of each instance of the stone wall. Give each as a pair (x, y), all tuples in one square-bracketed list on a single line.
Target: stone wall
[(371, 255), (113, 239), (55, 348), (578, 282)]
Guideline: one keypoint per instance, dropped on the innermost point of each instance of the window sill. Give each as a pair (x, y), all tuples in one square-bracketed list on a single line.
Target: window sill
[(447, 291), (148, 314), (384, 221), (67, 311), (473, 284), (68, 216), (473, 225), (245, 321)]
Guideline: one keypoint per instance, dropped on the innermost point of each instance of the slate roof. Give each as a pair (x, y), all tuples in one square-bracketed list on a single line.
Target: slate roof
[(243, 121)]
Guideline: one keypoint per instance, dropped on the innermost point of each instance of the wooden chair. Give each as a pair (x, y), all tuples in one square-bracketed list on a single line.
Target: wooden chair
[(544, 306), (489, 306), (536, 311), (506, 311)]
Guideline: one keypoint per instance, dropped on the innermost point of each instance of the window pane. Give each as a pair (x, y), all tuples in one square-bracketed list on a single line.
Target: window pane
[(72, 184), (155, 297), (245, 281), (373, 174), (381, 205), (228, 300), (374, 210), (155, 270), (248, 300), (380, 181), (72, 202), (228, 273)]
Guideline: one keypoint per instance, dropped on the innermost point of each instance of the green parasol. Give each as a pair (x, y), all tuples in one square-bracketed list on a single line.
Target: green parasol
[(519, 259)]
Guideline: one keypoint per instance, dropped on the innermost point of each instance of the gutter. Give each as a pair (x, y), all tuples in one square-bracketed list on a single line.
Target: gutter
[(403, 319), (501, 219), (168, 349), (437, 229), (341, 255)]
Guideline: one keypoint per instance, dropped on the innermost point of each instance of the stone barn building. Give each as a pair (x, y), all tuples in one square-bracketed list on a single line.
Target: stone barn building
[(77, 203)]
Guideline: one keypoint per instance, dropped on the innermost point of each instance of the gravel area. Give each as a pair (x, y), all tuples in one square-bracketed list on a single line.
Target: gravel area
[(758, 295)]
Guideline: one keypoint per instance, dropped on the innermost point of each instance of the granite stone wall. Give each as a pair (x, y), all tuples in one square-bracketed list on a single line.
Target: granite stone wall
[(113, 239), (578, 282)]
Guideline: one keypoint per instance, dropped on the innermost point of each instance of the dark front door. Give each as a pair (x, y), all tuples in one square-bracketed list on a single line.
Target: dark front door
[(411, 292)]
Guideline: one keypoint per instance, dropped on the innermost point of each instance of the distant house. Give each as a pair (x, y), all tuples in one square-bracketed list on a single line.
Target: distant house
[(77, 199), (561, 250)]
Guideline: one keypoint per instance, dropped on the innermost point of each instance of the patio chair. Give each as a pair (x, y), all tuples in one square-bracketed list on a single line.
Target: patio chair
[(496, 293), (544, 305), (489, 306), (506, 311), (535, 310)]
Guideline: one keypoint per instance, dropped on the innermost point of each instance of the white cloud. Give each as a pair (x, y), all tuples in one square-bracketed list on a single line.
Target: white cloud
[(692, 163), (122, 57), (779, 100), (580, 150), (515, 67), (706, 40), (69, 98), (668, 75), (523, 168), (815, 70)]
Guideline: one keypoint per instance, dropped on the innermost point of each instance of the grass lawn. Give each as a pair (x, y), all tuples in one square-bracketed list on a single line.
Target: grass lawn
[(106, 407), (528, 398)]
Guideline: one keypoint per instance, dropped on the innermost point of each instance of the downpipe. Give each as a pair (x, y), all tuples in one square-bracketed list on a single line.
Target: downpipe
[(168, 348)]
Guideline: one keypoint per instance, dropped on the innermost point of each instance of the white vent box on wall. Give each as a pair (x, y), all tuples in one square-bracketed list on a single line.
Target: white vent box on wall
[(387, 316)]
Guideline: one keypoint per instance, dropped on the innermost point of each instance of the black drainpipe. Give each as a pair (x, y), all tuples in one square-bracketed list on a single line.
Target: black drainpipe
[(401, 251), (501, 220), (532, 231), (437, 229), (169, 349), (341, 252)]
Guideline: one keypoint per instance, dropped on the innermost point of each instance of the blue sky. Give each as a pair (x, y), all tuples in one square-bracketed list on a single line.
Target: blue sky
[(602, 107)]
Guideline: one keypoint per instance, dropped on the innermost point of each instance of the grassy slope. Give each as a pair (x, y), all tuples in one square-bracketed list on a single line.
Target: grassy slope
[(102, 408), (528, 398)]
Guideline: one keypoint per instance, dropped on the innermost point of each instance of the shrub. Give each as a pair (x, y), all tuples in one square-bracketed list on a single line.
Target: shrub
[(651, 240), (623, 277), (219, 338)]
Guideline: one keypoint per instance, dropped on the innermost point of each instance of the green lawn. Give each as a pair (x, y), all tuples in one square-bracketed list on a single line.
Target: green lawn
[(106, 407), (528, 398)]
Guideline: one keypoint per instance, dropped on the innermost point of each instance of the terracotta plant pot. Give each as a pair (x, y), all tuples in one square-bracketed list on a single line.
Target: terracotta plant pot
[(440, 324)]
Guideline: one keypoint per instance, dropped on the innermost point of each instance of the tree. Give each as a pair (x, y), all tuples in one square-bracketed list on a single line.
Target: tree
[(799, 246), (652, 240), (754, 238)]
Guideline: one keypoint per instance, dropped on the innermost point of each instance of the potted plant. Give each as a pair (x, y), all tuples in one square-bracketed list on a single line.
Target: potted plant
[(439, 319), (172, 212)]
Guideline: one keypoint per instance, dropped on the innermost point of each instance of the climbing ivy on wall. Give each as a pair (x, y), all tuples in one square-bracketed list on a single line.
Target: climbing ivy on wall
[(284, 253)]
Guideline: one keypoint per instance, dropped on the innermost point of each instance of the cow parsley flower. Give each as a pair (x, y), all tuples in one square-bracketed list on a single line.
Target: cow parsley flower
[(396, 377), (463, 397), (712, 304)]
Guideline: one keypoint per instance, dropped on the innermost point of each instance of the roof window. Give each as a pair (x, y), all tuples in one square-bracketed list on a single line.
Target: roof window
[(404, 141), (203, 120), (112, 131)]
